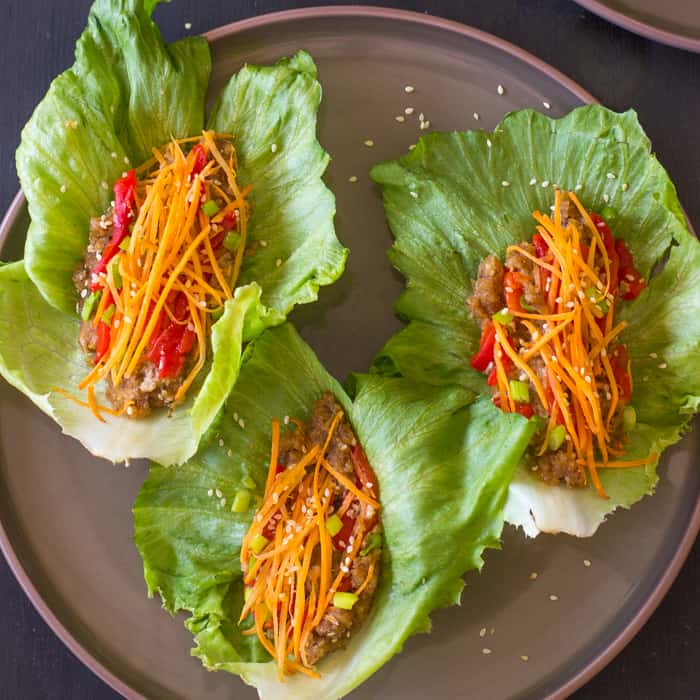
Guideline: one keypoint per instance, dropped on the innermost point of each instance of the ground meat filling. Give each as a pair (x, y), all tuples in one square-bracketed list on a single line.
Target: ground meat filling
[(490, 298), (142, 391), (360, 578)]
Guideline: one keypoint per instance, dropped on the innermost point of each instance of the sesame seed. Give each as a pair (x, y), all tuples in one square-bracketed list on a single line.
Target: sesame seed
[(344, 568), (546, 105), (113, 154), (421, 117), (524, 657), (476, 116), (210, 493), (533, 181), (586, 562), (241, 422), (625, 187), (223, 502), (588, 378), (218, 493), (263, 243), (482, 632), (275, 497), (611, 176), (412, 146), (63, 188), (425, 125), (188, 25), (273, 148), (486, 651), (409, 88), (235, 417), (570, 304), (663, 365), (533, 575), (414, 194), (554, 597), (606, 198), (278, 262), (369, 143), (578, 187), (408, 110), (347, 561), (500, 90), (505, 183), (104, 185), (400, 118), (488, 142), (545, 183)]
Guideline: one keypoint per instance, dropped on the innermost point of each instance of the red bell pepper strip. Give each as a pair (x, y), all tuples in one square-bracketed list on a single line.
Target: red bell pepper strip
[(631, 283), (541, 247), (513, 287), (103, 338), (507, 363), (525, 409), (619, 362), (124, 199), (200, 159), (340, 541), (481, 359)]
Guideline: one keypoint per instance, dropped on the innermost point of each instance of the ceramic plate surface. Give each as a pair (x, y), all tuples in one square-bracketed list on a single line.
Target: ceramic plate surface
[(672, 22), (65, 517)]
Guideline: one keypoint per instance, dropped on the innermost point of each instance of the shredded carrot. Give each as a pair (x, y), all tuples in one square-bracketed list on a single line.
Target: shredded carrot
[(288, 573), (573, 338), (169, 251)]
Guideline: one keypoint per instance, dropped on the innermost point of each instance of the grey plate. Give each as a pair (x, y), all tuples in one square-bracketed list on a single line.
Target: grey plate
[(672, 22), (66, 519)]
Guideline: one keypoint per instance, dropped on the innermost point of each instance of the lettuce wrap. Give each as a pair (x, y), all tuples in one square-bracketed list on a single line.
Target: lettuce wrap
[(442, 481), (127, 93), (458, 197)]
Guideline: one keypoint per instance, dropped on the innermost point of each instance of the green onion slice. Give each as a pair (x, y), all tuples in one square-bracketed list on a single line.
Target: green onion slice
[(503, 317), (210, 208), (334, 524), (374, 541), (241, 501), (629, 418), (557, 437), (259, 543), (89, 305), (519, 391), (344, 600), (232, 241)]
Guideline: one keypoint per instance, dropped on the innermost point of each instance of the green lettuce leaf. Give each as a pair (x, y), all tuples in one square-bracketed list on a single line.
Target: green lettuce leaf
[(40, 354), (126, 93), (460, 196), (443, 482)]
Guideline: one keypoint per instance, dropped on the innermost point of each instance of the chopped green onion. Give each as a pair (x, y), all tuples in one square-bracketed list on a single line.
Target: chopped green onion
[(526, 306), (259, 543), (232, 241), (241, 501), (116, 275), (519, 391), (557, 437), (107, 315), (503, 317), (334, 524), (124, 245), (248, 482), (210, 208), (374, 541), (609, 214), (251, 561), (629, 418), (344, 600), (89, 305), (600, 301)]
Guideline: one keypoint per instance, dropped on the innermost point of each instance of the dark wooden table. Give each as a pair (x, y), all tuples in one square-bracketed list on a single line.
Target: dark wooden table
[(620, 69)]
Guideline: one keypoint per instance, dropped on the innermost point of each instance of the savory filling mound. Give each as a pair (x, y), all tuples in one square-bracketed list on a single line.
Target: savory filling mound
[(550, 344), (158, 268), (312, 556)]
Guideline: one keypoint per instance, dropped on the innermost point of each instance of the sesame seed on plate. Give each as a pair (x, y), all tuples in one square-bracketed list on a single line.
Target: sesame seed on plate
[(524, 657), (409, 88), (408, 110), (400, 118), (546, 105), (586, 562), (188, 25), (352, 178), (486, 651), (533, 575), (554, 597), (476, 116), (500, 89), (425, 125), (482, 632), (369, 143), (412, 146)]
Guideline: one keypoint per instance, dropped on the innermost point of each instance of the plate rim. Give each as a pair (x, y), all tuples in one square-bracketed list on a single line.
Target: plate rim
[(640, 27), (639, 618)]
